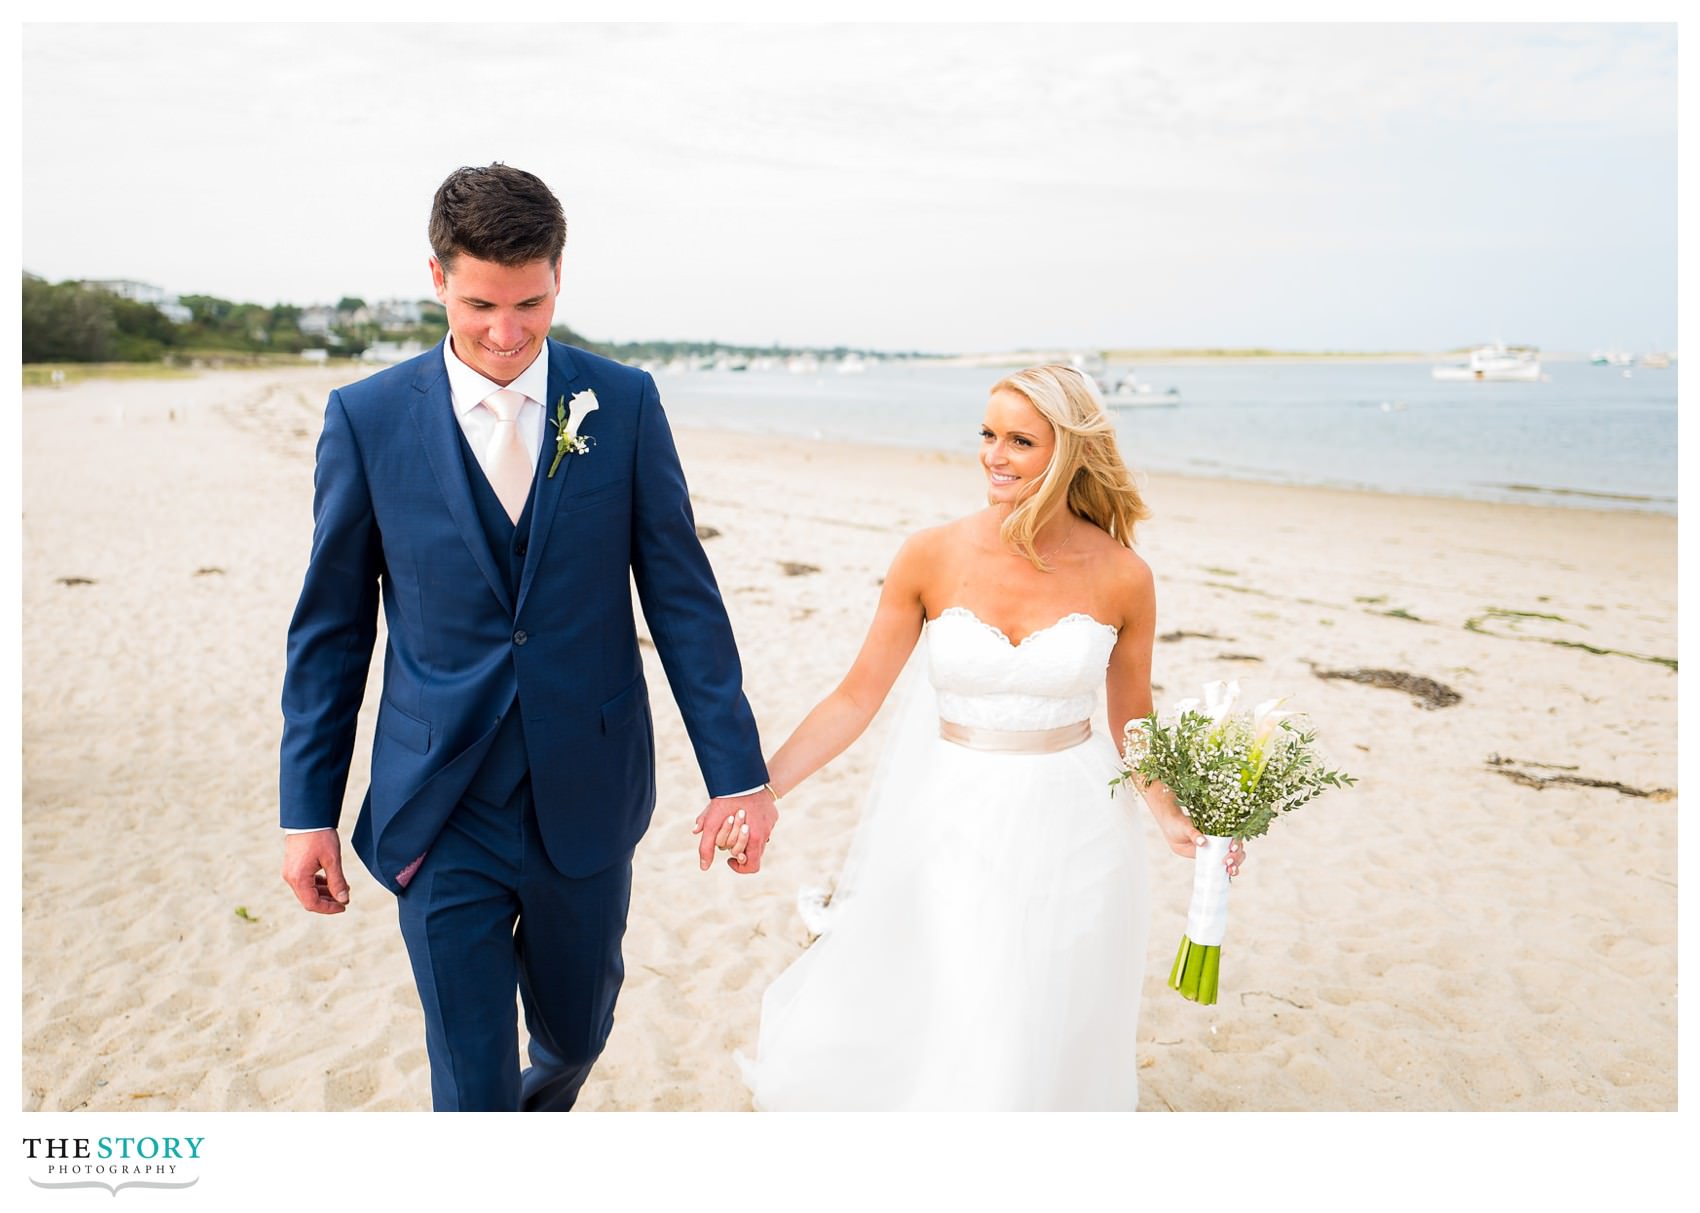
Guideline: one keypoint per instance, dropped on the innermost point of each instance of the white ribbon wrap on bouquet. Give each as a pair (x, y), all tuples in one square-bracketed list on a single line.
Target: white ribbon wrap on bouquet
[(1207, 914)]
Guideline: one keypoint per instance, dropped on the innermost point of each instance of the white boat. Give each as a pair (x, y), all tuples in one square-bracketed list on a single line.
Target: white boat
[(1131, 385), (1168, 400), (1656, 362), (388, 353), (1131, 392), (1090, 363), (1495, 363)]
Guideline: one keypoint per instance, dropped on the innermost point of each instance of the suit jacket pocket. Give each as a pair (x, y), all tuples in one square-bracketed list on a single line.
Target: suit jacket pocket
[(625, 709), (595, 496), (404, 729)]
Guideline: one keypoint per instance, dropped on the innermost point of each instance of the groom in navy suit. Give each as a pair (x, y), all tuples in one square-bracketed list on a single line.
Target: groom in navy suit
[(500, 494)]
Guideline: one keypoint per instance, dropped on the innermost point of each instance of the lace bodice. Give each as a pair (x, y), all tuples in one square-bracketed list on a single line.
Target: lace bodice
[(1052, 678)]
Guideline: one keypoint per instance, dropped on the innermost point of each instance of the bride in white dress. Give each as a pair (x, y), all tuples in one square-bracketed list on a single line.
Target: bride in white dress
[(985, 946)]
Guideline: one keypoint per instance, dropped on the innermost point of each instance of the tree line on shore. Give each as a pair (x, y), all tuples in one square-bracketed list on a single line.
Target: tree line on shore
[(76, 322)]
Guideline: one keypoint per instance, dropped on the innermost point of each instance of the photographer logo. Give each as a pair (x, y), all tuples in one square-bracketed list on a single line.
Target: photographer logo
[(113, 1163)]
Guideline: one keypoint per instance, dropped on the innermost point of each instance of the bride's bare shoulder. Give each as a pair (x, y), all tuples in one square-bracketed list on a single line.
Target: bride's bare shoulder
[(1130, 567), (931, 556), (1130, 581), (935, 542), (1128, 564)]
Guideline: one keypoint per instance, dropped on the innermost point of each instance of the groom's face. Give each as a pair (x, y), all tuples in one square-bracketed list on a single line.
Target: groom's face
[(498, 315)]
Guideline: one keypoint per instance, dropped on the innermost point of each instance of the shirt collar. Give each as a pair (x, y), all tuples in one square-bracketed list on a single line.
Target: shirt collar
[(468, 389)]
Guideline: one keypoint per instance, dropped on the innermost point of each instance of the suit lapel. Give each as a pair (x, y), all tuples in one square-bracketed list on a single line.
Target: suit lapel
[(434, 415), (547, 494)]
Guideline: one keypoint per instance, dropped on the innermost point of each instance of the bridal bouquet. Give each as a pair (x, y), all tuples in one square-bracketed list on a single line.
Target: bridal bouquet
[(1232, 772)]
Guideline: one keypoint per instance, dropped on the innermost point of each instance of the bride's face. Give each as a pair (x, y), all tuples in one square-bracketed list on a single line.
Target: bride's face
[(1016, 443)]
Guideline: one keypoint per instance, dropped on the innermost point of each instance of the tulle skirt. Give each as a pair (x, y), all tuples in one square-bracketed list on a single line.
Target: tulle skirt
[(984, 948)]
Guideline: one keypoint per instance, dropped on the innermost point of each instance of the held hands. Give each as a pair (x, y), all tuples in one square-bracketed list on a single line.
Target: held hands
[(739, 824), (312, 868)]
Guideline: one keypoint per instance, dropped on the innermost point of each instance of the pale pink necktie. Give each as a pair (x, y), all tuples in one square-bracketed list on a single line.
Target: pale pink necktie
[(506, 463)]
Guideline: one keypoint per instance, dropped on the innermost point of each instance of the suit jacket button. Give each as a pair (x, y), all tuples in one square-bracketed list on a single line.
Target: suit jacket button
[(519, 548), (520, 637)]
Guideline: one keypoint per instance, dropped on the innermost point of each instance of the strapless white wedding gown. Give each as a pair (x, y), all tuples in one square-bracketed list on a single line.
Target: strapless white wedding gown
[(984, 948)]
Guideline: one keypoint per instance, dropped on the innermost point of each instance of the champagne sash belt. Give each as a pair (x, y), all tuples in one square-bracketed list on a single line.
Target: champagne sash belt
[(1016, 741)]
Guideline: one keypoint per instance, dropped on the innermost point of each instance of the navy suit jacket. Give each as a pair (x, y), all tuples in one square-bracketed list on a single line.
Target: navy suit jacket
[(394, 519)]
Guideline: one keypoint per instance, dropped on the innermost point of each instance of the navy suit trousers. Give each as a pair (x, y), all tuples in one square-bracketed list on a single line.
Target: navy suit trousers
[(487, 914)]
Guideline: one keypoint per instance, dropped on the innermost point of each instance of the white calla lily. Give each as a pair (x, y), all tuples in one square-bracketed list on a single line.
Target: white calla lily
[(568, 420), (1219, 701), (1265, 719), (582, 405)]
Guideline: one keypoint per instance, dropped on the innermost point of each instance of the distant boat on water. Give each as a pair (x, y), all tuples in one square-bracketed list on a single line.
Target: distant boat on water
[(1167, 400), (1127, 392), (1612, 358), (1495, 363), (1131, 392), (388, 353)]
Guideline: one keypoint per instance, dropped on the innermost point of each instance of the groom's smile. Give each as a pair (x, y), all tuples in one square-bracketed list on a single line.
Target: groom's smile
[(499, 315)]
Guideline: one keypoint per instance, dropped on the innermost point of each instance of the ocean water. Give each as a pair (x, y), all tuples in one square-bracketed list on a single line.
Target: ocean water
[(1586, 437)]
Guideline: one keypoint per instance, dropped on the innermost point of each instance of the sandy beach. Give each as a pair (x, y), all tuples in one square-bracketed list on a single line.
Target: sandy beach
[(1488, 921)]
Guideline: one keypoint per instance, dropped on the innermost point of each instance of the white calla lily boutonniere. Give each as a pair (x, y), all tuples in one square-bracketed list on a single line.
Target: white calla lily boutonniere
[(568, 421)]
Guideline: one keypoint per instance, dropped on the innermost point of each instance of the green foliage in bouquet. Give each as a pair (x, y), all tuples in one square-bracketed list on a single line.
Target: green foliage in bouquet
[(1231, 775)]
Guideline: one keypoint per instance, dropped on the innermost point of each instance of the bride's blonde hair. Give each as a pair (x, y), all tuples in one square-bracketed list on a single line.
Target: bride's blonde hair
[(1086, 467)]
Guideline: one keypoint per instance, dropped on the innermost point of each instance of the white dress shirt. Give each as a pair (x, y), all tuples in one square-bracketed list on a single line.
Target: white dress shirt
[(468, 389)]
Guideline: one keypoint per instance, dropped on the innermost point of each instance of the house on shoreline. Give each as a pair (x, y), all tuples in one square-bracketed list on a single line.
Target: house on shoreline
[(143, 292)]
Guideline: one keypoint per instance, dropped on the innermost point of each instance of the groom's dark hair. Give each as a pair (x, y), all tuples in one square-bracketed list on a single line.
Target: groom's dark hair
[(500, 214)]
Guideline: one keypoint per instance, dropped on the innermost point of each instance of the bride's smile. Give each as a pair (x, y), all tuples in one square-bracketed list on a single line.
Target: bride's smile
[(1016, 443)]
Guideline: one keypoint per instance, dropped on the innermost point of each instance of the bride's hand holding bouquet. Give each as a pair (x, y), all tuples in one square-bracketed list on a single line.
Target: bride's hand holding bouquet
[(1183, 837)]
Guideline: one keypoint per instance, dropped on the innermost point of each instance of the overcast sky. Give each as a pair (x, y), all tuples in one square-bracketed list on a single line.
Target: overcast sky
[(943, 187)]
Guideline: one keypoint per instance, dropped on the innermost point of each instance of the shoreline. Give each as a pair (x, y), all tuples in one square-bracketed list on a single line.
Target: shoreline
[(1530, 496), (1183, 357), (1204, 480), (1194, 357)]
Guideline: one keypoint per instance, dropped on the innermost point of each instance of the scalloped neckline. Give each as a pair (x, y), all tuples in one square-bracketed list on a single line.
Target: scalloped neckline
[(1018, 644)]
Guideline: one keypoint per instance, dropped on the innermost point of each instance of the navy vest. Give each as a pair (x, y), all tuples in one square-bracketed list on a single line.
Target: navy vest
[(505, 766)]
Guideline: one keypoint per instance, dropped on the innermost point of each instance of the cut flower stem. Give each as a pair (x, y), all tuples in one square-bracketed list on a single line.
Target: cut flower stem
[(1197, 967)]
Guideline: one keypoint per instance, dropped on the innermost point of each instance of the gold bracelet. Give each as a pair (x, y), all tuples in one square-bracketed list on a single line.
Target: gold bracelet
[(771, 792)]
